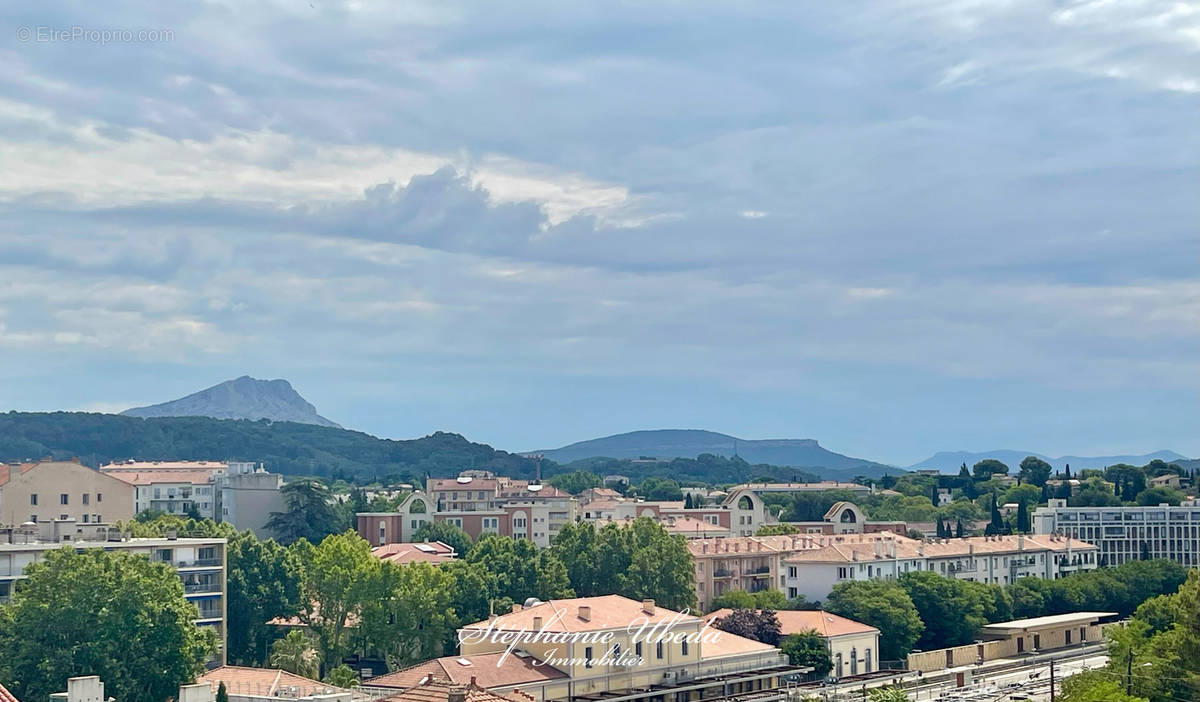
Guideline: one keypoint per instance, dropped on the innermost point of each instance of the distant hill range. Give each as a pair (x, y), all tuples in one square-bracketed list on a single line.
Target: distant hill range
[(690, 443), (284, 447), (242, 398), (950, 461)]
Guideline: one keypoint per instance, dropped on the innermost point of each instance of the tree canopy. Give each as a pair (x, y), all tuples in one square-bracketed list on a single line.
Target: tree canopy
[(883, 604)]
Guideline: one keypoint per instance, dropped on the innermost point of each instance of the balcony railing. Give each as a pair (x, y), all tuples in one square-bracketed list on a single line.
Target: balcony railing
[(193, 588), (722, 573)]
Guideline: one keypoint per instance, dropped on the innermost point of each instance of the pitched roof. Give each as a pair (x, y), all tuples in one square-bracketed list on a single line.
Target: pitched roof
[(722, 643), (796, 621), (165, 465), (261, 681), (486, 669), (607, 612), (902, 548), (436, 690), (6, 696), (6, 469)]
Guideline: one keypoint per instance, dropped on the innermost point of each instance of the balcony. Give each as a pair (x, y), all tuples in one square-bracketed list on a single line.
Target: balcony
[(760, 572), (196, 588), (722, 573)]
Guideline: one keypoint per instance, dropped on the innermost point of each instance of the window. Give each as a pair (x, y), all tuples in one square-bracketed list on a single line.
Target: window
[(637, 649), (99, 497), (684, 647), (33, 518), (33, 499), (658, 650), (587, 657), (85, 498), (64, 499)]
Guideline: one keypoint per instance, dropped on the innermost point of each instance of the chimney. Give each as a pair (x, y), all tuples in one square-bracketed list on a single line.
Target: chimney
[(457, 694), (537, 623), (704, 547), (516, 607), (648, 606), (585, 613)]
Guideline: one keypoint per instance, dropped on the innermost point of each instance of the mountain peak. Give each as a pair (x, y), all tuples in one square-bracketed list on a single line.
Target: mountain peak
[(240, 398)]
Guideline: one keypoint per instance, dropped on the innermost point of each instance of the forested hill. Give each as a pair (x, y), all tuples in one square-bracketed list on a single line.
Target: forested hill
[(285, 447)]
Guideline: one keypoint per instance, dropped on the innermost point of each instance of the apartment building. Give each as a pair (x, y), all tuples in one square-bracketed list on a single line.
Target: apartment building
[(481, 503), (753, 563), (49, 490), (382, 528), (1000, 560), (603, 647), (1124, 534), (173, 487), (200, 562), (247, 494)]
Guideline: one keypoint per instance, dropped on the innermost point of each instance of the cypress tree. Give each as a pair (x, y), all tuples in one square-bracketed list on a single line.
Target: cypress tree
[(1022, 518), (959, 531)]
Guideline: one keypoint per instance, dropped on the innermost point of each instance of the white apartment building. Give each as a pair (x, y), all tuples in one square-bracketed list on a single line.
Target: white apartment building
[(998, 560), (173, 487), (1124, 534), (200, 562), (247, 495)]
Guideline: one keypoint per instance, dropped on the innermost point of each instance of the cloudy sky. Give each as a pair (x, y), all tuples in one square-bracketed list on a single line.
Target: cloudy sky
[(896, 227)]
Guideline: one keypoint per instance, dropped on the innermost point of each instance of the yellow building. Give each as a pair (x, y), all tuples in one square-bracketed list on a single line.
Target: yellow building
[(608, 647), (49, 490)]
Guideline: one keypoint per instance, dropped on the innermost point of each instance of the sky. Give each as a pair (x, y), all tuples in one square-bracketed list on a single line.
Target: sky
[(895, 227)]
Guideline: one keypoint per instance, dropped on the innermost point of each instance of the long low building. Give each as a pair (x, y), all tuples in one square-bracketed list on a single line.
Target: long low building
[(607, 647), (853, 646), (998, 560)]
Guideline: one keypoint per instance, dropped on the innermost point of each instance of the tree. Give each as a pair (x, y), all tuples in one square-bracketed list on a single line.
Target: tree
[(1088, 687), (758, 625), (808, 648), (576, 482), (659, 489), (963, 472), (113, 614), (892, 693), (1094, 492), (412, 618), (1034, 471), (776, 530), (988, 468), (959, 532), (295, 654), (1023, 525), (310, 513), (996, 526), (263, 583), (884, 605), (1160, 494), (337, 578), (343, 676), (952, 610), (222, 693), (687, 501), (447, 533)]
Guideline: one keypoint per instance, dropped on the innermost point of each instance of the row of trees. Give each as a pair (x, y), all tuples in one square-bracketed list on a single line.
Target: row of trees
[(926, 610)]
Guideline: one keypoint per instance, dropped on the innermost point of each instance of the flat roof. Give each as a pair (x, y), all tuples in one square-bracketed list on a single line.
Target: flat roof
[(1051, 620), (131, 543)]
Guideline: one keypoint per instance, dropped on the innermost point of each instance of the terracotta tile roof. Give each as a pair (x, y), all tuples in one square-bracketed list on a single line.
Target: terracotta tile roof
[(607, 612), (166, 465), (149, 477), (901, 548), (722, 643), (796, 621), (485, 668), (601, 504), (5, 471), (692, 525), (261, 681), (412, 553), (436, 690), (6, 696)]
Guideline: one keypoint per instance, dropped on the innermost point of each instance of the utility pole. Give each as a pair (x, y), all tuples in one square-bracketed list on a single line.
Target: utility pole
[(1051, 680)]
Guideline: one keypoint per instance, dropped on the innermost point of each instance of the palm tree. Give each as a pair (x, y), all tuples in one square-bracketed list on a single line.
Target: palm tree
[(296, 655)]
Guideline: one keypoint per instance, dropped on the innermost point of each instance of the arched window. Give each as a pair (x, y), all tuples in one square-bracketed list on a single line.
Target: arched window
[(854, 661), (745, 503), (867, 669), (382, 532), (848, 516), (837, 665), (417, 506)]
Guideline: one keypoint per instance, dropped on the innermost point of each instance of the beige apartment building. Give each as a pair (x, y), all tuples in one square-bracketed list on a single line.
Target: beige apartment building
[(49, 490)]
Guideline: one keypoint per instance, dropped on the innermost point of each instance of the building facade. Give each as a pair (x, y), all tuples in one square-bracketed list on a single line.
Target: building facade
[(1123, 534), (171, 487), (49, 490), (853, 646), (997, 560), (200, 562), (247, 495)]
